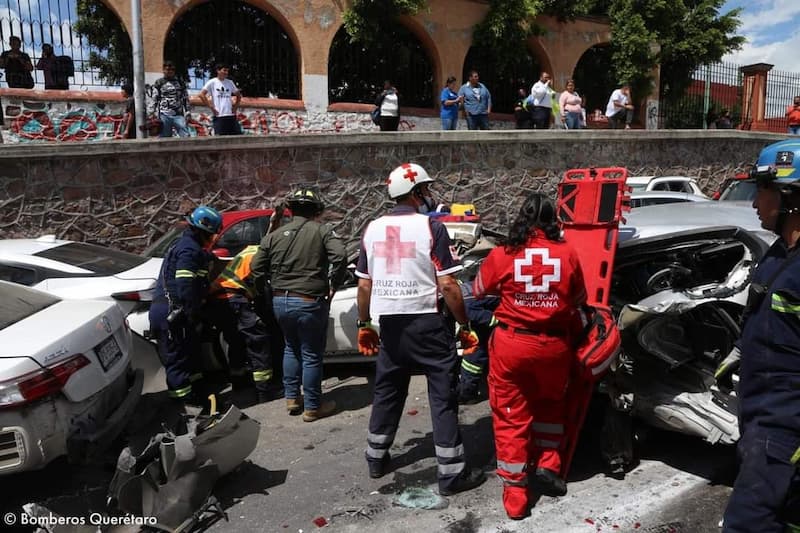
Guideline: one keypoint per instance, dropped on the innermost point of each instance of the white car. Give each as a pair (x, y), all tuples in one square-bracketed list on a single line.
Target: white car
[(66, 385), (80, 270), (664, 183), (649, 198)]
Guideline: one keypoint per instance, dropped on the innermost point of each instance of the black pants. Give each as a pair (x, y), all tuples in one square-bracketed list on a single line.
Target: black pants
[(389, 123), (541, 117), (413, 344), (247, 337), (620, 119), (227, 125), (178, 349)]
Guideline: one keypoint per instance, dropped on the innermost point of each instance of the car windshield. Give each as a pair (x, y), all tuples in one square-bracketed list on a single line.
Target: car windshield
[(18, 302), (97, 259), (160, 247), (740, 191)]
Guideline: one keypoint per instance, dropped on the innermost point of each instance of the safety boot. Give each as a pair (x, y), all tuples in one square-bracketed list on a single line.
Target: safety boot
[(326, 409), (294, 406), (469, 479), (377, 469), (269, 393), (515, 501), (545, 481)]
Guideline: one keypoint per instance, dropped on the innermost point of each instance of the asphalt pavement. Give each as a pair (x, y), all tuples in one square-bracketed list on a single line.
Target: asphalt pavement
[(306, 476)]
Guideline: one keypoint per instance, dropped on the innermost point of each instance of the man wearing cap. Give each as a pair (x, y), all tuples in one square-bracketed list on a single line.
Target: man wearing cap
[(620, 109), (406, 259), (305, 263), (766, 494)]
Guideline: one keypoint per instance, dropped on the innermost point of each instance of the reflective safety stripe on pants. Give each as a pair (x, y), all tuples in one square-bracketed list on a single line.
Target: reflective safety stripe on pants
[(378, 445)]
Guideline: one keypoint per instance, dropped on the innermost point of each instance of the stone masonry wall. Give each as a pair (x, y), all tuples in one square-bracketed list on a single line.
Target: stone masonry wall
[(126, 194)]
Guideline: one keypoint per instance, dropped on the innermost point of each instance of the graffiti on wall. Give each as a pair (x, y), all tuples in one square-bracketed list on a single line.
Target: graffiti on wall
[(55, 123)]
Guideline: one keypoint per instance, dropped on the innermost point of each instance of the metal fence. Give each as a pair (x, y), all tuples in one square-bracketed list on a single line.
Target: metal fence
[(782, 87), (715, 91), (38, 22)]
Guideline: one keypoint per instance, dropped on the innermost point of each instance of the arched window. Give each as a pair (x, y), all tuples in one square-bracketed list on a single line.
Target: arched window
[(503, 86), (262, 58), (356, 71), (594, 77)]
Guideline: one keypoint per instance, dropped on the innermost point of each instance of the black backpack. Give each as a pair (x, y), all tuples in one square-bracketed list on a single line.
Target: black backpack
[(64, 67)]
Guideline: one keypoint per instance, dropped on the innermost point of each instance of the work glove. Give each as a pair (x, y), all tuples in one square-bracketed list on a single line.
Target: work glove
[(468, 339), (368, 339), (724, 373)]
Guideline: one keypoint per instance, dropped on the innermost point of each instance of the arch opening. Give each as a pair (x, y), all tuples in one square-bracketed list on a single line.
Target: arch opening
[(594, 77), (503, 86)]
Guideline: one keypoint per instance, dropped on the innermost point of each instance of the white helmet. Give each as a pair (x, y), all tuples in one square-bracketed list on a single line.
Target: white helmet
[(404, 178)]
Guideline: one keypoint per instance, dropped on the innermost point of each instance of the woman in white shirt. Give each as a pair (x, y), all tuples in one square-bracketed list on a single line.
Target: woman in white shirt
[(571, 106), (389, 102)]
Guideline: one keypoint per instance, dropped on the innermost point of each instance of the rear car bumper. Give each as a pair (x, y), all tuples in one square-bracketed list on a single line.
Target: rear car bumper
[(33, 436)]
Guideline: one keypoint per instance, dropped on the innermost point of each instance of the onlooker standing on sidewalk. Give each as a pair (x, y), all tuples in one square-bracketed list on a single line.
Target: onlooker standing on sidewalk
[(477, 102), (793, 116), (522, 115), (620, 109), (571, 106), (724, 121), (542, 100), (389, 102), (171, 102), (17, 65), (224, 104), (54, 77), (450, 101), (128, 128)]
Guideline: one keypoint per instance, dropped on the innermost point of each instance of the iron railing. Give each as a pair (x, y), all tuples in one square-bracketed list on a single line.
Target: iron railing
[(715, 89), (356, 71), (261, 56), (38, 22), (782, 87)]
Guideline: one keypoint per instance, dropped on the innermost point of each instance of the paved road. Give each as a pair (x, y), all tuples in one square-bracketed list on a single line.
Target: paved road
[(301, 471)]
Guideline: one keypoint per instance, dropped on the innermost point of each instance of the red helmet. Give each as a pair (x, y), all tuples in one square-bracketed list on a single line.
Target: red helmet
[(601, 346)]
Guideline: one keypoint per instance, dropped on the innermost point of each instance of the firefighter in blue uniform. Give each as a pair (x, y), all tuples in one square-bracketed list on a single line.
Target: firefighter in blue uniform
[(474, 365), (766, 494), (175, 313)]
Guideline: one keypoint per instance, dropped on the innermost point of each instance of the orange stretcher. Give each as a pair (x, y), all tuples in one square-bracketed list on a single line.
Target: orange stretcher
[(589, 206)]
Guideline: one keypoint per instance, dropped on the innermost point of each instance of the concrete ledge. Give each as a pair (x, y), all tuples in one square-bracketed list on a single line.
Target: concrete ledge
[(548, 138)]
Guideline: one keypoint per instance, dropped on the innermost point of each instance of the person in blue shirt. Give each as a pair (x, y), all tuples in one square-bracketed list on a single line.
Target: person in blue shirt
[(477, 102), (450, 101)]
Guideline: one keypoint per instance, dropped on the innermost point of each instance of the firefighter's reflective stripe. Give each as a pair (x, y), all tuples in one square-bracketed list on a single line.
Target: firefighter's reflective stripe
[(378, 445), (376, 454), (236, 275), (451, 459), (180, 393), (795, 460), (511, 468), (451, 469), (793, 528), (262, 375), (184, 274), (449, 453), (380, 439), (471, 368), (546, 443), (202, 272), (782, 304), (556, 429), (515, 482)]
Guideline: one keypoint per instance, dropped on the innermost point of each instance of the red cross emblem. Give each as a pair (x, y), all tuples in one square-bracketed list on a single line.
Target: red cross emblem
[(394, 250), (539, 270), (410, 174)]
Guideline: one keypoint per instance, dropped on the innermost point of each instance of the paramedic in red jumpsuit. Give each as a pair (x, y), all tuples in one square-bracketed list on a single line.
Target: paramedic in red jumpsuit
[(539, 280)]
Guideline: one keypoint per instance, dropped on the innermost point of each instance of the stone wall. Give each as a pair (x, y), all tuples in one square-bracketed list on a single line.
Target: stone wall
[(126, 194)]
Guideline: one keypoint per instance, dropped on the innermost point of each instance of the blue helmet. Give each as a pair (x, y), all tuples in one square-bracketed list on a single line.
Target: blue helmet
[(205, 218), (778, 163)]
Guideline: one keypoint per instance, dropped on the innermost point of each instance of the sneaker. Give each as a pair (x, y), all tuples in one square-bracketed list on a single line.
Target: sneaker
[(326, 409), (377, 469), (294, 406), (469, 479), (547, 482), (515, 501)]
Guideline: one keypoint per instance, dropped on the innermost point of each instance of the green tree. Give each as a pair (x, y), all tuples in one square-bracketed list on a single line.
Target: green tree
[(104, 31), (362, 20)]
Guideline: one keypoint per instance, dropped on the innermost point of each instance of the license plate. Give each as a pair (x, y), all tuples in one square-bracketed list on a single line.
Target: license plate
[(108, 352)]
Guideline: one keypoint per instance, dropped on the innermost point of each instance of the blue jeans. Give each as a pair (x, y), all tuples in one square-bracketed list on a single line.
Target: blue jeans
[(478, 122), (450, 123), (305, 327), (168, 122), (573, 120), (794, 130)]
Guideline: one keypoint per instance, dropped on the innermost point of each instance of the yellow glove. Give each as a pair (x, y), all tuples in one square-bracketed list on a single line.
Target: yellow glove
[(368, 339), (468, 339)]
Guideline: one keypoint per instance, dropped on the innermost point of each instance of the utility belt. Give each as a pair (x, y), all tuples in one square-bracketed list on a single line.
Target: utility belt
[(547, 332)]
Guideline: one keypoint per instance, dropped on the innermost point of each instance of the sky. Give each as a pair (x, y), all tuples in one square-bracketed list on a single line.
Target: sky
[(772, 29)]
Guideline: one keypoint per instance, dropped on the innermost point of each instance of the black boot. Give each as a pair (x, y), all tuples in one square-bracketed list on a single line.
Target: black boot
[(469, 479), (269, 393), (547, 482), (378, 469)]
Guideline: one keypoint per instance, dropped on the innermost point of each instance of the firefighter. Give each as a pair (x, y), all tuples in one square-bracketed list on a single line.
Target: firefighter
[(233, 308), (539, 280), (305, 263), (766, 493), (474, 365), (175, 313), (405, 258)]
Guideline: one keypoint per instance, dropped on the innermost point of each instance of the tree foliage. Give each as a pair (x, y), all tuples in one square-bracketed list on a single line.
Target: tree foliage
[(362, 19), (104, 31)]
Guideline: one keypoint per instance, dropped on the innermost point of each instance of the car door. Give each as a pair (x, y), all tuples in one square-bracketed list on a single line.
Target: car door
[(240, 235)]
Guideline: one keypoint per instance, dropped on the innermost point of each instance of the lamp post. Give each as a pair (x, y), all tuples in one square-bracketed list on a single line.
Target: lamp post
[(138, 69)]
